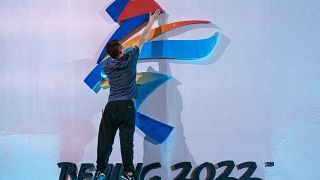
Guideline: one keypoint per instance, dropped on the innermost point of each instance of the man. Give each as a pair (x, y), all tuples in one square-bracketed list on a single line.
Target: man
[(119, 112)]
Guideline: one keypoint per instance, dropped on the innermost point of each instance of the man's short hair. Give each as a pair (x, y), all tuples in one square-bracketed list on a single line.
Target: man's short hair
[(113, 48)]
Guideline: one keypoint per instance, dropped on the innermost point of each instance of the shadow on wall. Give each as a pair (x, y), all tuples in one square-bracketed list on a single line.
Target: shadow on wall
[(78, 129), (166, 104)]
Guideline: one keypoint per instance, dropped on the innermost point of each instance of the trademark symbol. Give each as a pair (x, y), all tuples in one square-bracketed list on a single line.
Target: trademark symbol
[(268, 164)]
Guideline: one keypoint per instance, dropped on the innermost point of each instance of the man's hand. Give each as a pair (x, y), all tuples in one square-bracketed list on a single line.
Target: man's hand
[(147, 29), (154, 16)]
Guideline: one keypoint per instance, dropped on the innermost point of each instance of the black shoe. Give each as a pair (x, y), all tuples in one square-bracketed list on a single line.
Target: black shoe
[(99, 175), (125, 176)]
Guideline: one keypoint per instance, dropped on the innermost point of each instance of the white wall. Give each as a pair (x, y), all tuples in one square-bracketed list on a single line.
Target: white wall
[(255, 99)]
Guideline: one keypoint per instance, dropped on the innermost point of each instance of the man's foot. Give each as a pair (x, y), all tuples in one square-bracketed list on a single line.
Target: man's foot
[(125, 176), (99, 175)]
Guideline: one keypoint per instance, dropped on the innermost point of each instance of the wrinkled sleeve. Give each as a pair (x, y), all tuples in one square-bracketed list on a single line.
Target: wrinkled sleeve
[(134, 55)]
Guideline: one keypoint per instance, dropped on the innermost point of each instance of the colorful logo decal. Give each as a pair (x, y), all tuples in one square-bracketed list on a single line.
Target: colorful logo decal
[(132, 16)]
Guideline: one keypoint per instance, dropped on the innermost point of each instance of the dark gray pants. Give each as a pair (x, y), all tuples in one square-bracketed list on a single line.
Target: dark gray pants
[(117, 114)]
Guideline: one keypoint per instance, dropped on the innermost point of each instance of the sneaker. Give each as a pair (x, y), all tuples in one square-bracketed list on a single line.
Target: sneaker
[(99, 176), (125, 176)]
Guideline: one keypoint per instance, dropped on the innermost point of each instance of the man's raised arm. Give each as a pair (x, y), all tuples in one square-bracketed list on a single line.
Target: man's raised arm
[(147, 29)]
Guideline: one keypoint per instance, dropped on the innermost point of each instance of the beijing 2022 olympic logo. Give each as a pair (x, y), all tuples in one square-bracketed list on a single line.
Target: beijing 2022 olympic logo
[(132, 16)]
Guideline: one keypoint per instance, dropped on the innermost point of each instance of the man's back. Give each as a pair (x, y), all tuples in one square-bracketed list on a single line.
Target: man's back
[(122, 75)]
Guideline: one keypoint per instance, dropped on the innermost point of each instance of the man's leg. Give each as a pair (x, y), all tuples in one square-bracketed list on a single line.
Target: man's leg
[(126, 132), (107, 132)]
